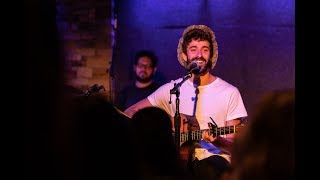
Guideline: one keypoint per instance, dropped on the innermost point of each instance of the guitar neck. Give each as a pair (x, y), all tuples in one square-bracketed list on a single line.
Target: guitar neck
[(197, 134)]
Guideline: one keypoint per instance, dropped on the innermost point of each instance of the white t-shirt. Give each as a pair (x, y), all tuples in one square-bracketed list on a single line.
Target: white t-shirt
[(219, 100)]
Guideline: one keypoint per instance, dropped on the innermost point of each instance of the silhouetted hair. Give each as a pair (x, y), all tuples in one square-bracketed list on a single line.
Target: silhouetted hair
[(146, 53), (100, 139), (155, 143), (264, 149)]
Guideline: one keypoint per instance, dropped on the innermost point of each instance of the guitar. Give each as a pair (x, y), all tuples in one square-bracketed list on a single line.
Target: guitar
[(196, 134), (190, 129), (190, 141), (217, 131)]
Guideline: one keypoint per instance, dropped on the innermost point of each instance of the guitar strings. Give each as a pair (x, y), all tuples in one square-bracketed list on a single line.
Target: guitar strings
[(197, 134)]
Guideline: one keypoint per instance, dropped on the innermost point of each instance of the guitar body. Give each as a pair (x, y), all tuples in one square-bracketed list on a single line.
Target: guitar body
[(191, 144), (187, 147), (211, 166)]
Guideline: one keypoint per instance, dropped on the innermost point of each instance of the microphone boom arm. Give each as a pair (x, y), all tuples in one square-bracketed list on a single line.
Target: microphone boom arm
[(177, 86)]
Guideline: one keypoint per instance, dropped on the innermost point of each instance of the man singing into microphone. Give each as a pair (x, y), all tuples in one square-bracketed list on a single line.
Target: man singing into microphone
[(207, 98)]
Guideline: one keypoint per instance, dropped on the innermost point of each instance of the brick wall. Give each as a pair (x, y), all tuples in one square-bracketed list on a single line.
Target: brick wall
[(85, 30)]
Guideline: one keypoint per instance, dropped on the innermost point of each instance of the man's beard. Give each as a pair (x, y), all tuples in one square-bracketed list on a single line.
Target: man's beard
[(144, 80), (203, 70)]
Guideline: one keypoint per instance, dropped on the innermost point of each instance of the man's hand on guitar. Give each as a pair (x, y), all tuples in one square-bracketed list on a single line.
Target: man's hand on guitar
[(207, 137)]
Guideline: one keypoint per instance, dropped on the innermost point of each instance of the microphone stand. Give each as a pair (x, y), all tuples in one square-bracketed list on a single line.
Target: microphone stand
[(177, 118)]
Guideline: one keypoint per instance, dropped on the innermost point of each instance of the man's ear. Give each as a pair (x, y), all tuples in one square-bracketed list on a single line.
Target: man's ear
[(134, 68), (154, 70), (184, 56)]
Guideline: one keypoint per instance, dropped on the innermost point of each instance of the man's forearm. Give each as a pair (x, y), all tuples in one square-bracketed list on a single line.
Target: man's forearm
[(130, 112)]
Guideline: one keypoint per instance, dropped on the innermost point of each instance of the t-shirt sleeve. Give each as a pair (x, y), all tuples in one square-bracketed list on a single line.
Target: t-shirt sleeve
[(236, 106), (161, 97)]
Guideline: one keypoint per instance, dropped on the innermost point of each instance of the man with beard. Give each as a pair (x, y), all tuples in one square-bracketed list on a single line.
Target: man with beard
[(205, 100), (145, 66)]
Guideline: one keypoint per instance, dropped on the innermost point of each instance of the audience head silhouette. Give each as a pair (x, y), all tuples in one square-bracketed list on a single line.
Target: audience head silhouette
[(264, 149), (100, 139), (155, 143)]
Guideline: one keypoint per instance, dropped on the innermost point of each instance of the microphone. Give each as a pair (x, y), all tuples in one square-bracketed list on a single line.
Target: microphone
[(194, 67), (93, 89)]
